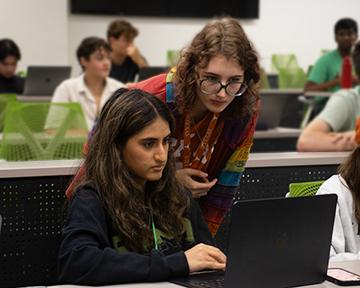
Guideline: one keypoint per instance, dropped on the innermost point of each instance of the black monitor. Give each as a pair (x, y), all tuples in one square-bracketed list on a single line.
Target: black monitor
[(245, 9)]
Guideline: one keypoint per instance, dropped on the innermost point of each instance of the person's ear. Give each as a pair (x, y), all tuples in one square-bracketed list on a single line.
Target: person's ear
[(83, 62)]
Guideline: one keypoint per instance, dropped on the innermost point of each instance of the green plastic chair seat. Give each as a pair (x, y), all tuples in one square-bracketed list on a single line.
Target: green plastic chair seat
[(5, 99), (304, 188), (30, 133)]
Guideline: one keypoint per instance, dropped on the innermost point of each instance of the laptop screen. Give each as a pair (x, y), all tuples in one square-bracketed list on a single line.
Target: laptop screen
[(42, 80), (277, 242)]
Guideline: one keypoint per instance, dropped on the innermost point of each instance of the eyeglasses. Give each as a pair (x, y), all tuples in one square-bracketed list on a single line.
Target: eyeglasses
[(212, 86)]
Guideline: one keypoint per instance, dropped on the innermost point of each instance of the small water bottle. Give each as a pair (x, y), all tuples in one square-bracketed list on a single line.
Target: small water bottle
[(346, 73)]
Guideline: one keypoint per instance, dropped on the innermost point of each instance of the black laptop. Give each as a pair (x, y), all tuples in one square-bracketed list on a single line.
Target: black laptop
[(147, 72), (271, 110), (42, 80), (278, 242)]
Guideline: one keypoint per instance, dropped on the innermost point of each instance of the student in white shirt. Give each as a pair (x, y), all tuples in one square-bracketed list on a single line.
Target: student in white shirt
[(345, 244), (93, 87)]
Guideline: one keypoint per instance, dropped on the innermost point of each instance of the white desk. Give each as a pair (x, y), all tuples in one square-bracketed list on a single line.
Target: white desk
[(349, 265), (256, 160), (39, 168), (317, 93), (287, 159), (278, 132), (287, 91)]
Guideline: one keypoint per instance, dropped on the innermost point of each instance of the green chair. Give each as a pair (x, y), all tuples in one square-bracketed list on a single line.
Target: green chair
[(301, 189), (43, 131), (5, 99), (281, 61), (291, 78), (172, 57)]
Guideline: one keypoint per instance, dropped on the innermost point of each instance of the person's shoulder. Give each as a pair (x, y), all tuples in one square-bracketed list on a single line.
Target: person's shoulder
[(330, 185), (87, 191), (328, 56), (347, 94), (71, 82)]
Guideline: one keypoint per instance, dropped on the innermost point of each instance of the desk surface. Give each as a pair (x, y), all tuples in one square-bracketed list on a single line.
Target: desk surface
[(281, 159), (353, 266), (278, 132), (69, 167), (317, 93), (288, 91), (38, 168)]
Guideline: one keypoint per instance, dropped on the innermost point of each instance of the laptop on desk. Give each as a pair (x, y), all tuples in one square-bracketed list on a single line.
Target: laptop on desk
[(278, 242), (42, 80), (271, 110), (147, 72)]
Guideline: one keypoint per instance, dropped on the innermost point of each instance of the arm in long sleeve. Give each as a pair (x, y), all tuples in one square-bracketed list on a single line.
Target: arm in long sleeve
[(86, 256), (343, 242)]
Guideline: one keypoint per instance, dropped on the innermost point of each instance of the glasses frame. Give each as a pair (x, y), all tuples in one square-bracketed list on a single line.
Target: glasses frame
[(243, 86)]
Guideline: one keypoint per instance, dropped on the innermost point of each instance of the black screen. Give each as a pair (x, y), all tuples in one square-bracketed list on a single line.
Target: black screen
[(247, 9)]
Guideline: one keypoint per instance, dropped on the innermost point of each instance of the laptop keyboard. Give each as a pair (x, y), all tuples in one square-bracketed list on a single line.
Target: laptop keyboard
[(202, 280), (210, 283)]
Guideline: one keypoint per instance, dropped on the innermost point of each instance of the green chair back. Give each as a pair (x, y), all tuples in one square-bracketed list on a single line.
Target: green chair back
[(43, 131), (291, 78), (301, 189), (172, 57), (281, 61), (5, 99)]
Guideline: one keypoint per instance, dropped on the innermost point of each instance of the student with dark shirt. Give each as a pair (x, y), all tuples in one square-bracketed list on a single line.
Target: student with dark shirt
[(126, 59), (9, 57), (129, 219)]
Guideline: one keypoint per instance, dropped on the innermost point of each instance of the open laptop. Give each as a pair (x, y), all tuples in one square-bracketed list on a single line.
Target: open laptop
[(271, 110), (278, 242), (42, 80), (147, 72)]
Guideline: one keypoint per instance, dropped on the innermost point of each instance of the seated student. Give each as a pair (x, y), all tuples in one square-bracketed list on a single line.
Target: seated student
[(325, 74), (9, 57), (333, 128), (129, 219), (345, 244), (125, 57), (93, 88)]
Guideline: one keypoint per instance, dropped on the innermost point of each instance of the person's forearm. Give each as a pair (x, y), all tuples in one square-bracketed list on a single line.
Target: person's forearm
[(319, 142), (323, 86)]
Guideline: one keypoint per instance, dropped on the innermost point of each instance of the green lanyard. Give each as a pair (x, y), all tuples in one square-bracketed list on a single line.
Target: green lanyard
[(154, 232)]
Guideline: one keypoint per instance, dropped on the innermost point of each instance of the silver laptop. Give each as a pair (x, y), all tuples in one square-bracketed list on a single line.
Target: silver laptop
[(42, 80), (274, 243), (271, 110)]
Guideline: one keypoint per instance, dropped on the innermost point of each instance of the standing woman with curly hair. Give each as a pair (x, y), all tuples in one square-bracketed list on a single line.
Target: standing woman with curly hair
[(129, 219), (213, 93)]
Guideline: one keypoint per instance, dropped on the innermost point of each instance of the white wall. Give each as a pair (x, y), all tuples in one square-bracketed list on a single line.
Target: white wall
[(301, 27), (39, 27), (47, 34)]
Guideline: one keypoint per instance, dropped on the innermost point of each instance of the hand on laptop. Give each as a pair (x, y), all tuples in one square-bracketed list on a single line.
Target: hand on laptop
[(195, 180), (202, 256)]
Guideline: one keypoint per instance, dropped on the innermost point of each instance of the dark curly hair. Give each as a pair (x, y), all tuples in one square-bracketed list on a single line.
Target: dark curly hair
[(225, 37)]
